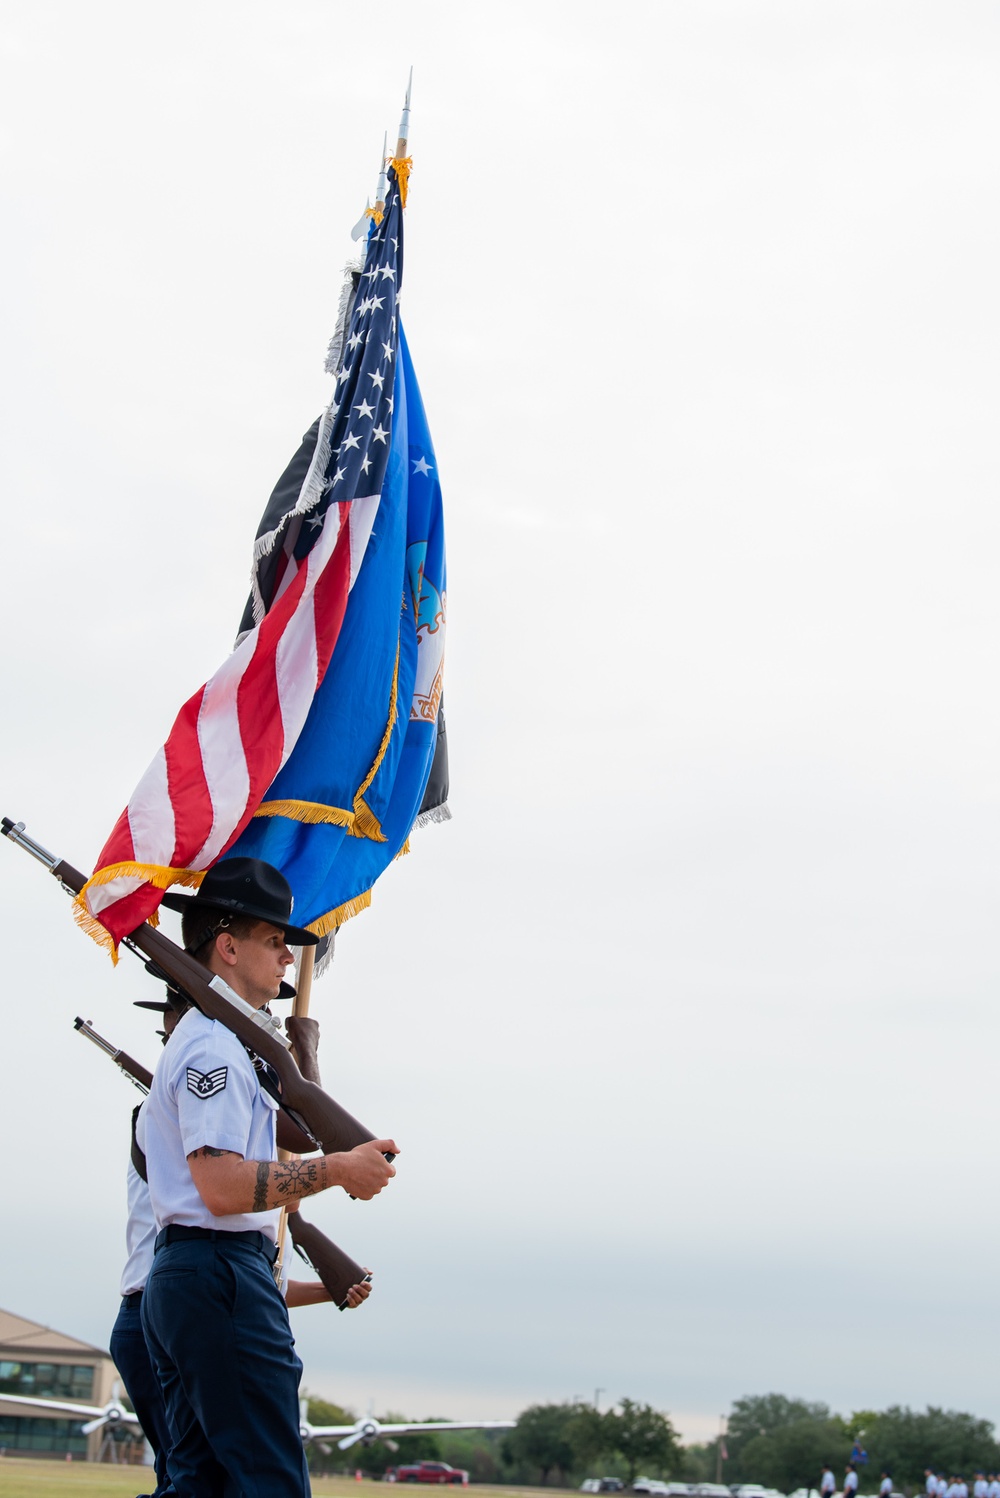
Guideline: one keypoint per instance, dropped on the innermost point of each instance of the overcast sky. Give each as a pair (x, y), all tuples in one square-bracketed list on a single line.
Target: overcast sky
[(687, 1022)]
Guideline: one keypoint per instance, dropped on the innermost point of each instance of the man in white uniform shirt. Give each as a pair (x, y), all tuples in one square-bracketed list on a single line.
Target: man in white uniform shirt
[(827, 1482), (850, 1480), (215, 1323), (128, 1344)]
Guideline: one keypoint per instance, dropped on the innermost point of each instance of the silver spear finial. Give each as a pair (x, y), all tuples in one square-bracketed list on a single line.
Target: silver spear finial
[(404, 123)]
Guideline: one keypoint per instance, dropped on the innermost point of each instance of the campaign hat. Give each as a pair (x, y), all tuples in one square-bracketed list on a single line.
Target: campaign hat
[(248, 887)]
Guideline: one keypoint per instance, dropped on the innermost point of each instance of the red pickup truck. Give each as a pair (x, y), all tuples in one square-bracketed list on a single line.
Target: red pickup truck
[(428, 1472)]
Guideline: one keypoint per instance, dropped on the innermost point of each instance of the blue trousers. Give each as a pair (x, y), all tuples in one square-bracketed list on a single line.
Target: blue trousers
[(131, 1358), (218, 1333)]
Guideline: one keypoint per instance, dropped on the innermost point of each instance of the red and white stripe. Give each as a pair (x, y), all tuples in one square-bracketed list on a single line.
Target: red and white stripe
[(232, 737)]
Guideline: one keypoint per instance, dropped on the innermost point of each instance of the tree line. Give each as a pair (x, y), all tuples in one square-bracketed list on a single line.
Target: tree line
[(784, 1442), (771, 1439)]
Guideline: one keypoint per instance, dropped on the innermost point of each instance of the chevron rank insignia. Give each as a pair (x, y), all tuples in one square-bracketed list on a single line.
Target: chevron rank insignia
[(206, 1083)]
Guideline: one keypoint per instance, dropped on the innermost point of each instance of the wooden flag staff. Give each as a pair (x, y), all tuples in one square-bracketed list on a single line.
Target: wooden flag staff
[(300, 1009)]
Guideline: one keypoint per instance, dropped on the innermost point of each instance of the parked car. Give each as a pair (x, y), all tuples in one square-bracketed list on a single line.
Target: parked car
[(652, 1485), (428, 1472), (602, 1485), (714, 1490)]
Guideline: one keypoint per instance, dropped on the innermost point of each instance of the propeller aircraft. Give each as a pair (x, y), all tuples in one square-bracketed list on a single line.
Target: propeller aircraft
[(112, 1413), (368, 1430)]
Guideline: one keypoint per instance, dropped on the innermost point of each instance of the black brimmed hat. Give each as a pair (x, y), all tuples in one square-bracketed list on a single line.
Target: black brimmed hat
[(249, 887)]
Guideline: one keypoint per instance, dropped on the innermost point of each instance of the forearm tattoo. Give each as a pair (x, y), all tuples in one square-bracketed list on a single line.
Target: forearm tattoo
[(207, 1151), (290, 1179)]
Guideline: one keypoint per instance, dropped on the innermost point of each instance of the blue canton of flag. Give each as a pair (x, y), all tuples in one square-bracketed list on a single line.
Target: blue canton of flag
[(342, 806)]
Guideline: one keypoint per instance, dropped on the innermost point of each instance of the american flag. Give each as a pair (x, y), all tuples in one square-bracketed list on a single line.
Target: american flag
[(232, 737)]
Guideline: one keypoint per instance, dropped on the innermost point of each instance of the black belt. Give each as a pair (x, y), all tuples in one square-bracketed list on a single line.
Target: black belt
[(176, 1233), (135, 1299)]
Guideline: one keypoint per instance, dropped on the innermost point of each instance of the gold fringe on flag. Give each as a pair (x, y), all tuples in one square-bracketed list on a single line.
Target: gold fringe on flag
[(403, 166), (313, 813), (366, 823), (335, 918), (150, 873), (375, 213)]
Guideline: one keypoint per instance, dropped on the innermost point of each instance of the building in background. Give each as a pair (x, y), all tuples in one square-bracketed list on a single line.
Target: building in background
[(40, 1363)]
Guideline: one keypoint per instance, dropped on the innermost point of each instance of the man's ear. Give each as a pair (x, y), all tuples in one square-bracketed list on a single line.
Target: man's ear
[(225, 946)]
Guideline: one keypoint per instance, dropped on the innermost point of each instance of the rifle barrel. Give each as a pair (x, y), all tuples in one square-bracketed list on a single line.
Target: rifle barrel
[(134, 1070), (330, 1124)]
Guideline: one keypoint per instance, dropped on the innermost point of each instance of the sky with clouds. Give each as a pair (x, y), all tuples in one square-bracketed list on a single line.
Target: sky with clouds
[(686, 1023)]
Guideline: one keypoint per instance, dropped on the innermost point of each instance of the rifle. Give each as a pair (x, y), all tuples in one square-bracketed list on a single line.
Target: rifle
[(134, 1070), (336, 1269), (329, 1125)]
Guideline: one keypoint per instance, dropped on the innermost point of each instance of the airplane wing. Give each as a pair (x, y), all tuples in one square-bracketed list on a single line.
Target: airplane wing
[(415, 1429), (323, 1432), (82, 1411)]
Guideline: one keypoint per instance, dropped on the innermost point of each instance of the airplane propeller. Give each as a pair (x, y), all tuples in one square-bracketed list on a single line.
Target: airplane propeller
[(366, 1430), (113, 1413)]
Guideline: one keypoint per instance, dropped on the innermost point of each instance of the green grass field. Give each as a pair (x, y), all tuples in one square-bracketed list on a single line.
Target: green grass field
[(28, 1479)]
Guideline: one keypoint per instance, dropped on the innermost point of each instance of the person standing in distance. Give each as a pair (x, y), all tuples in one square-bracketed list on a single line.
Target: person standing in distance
[(215, 1323), (850, 1480), (827, 1482)]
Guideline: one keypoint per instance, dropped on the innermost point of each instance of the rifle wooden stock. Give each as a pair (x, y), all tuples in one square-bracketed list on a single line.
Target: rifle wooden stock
[(133, 1069), (333, 1127), (337, 1270)]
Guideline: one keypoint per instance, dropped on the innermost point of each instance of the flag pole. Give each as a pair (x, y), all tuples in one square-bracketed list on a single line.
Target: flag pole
[(380, 190), (401, 161), (300, 1009), (404, 123), (304, 982)]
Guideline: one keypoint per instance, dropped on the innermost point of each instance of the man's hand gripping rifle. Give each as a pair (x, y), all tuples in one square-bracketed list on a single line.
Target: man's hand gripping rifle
[(329, 1126)]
